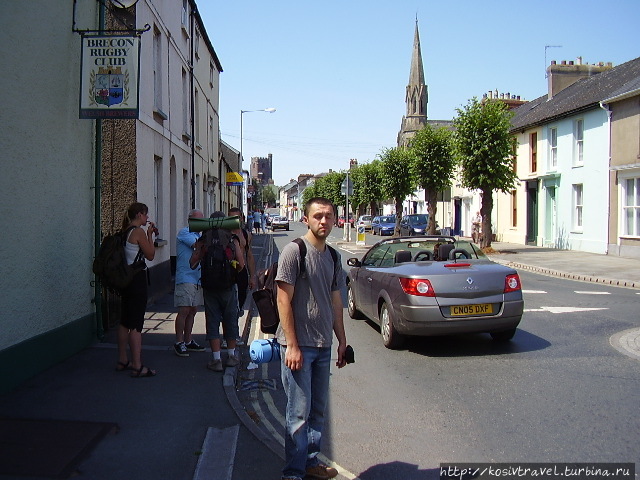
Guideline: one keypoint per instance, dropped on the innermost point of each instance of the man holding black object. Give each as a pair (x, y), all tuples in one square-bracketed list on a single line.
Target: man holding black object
[(310, 309)]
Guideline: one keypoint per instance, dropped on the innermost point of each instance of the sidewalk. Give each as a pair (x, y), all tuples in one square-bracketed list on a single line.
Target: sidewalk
[(190, 423), (588, 267), (179, 425)]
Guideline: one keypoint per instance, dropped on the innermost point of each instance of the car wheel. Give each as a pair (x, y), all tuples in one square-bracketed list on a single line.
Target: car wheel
[(390, 336), (351, 305), (503, 336)]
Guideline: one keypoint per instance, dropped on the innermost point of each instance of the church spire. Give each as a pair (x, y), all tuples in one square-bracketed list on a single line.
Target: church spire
[(416, 76), (416, 97)]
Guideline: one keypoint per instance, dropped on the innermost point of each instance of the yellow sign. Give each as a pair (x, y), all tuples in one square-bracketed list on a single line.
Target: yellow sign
[(234, 179), (360, 237)]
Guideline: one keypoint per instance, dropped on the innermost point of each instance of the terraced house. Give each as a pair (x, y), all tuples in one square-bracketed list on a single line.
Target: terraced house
[(578, 160)]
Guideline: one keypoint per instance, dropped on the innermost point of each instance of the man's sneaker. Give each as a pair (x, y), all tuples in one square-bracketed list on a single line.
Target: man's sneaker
[(180, 349), (321, 471), (232, 361), (215, 365), (192, 346)]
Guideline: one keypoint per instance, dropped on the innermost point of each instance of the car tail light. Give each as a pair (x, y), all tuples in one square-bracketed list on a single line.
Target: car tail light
[(457, 265), (417, 286), (512, 283)]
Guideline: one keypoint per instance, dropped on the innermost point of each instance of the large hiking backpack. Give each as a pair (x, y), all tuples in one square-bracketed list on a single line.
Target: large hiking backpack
[(218, 266), (266, 295), (110, 264)]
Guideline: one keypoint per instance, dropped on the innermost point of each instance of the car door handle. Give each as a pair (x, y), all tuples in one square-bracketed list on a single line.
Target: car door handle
[(369, 279)]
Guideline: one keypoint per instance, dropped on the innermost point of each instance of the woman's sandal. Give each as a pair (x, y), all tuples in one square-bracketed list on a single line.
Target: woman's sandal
[(121, 367), (139, 374)]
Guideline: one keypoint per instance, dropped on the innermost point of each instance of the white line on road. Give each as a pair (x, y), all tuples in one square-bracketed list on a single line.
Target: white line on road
[(218, 454), (586, 292), (533, 291), (562, 309)]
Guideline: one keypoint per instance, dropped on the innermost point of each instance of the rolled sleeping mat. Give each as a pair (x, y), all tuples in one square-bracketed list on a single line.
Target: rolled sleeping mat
[(202, 224), (264, 350)]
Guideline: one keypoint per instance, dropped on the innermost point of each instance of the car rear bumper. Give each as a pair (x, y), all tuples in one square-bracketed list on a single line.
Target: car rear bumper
[(428, 320)]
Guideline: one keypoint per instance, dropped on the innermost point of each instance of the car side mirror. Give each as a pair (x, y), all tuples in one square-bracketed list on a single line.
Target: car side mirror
[(353, 262)]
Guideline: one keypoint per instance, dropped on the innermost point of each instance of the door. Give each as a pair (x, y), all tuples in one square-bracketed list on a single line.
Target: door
[(550, 234), (532, 212)]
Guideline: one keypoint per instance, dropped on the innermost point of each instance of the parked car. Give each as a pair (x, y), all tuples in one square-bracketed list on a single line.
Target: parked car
[(433, 285), (340, 221), (279, 221), (384, 225), (415, 224), (366, 221)]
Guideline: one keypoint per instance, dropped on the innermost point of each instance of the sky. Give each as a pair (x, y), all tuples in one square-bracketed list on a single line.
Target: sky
[(336, 71)]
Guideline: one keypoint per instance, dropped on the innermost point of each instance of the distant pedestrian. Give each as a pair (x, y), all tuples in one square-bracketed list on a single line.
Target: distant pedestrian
[(257, 221), (310, 308), (476, 227), (263, 221), (134, 296), (188, 291)]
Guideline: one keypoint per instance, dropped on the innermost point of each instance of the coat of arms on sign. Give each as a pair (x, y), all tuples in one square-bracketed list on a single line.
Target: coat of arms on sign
[(109, 86)]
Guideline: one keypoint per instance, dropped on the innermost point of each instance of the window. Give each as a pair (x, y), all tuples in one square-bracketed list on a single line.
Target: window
[(157, 188), (631, 207), (157, 69), (196, 115), (185, 13), (533, 152), (577, 206), (212, 71), (185, 104), (553, 148), (578, 141), (196, 45), (514, 209)]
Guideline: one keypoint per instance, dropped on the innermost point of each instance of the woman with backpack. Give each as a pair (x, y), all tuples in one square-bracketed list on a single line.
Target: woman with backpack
[(138, 246)]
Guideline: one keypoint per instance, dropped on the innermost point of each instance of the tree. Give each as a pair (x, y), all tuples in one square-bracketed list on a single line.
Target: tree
[(396, 179), (367, 185), (486, 149), (432, 166)]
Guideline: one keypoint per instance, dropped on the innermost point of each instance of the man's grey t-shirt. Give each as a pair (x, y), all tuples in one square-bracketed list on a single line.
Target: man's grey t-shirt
[(312, 307)]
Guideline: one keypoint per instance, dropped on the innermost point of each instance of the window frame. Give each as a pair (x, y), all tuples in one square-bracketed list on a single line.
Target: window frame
[(578, 206), (624, 182), (578, 142), (553, 148)]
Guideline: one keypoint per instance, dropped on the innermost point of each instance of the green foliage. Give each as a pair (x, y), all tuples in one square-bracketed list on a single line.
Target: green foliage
[(434, 161), (486, 150), (396, 179), (484, 146), (367, 184), (433, 165)]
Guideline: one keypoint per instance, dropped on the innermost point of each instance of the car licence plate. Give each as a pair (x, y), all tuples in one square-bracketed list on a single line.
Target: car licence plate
[(465, 310)]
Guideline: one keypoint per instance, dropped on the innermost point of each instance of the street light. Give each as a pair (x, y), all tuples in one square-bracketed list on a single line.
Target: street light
[(242, 112)]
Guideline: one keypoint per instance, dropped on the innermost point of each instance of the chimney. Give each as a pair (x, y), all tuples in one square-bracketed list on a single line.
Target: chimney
[(567, 73)]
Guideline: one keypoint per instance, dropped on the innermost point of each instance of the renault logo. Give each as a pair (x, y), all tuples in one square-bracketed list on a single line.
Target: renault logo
[(469, 280)]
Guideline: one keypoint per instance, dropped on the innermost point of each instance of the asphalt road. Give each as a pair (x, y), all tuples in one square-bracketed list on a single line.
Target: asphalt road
[(559, 392)]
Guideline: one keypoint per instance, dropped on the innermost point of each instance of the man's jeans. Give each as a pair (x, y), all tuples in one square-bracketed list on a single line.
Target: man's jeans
[(307, 394)]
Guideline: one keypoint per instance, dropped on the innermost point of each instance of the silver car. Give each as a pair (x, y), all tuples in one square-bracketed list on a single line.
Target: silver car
[(433, 285), (279, 222)]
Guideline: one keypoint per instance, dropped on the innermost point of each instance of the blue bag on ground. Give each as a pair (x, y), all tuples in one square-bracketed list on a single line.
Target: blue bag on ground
[(264, 350)]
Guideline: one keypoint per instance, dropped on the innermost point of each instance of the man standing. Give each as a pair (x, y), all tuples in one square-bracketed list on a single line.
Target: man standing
[(310, 309), (220, 302), (188, 292)]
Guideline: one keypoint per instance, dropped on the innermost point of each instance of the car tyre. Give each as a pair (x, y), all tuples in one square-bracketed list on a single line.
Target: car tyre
[(503, 336), (390, 336), (351, 305)]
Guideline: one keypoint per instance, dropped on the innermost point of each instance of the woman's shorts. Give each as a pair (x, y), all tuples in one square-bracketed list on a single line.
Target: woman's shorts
[(188, 295)]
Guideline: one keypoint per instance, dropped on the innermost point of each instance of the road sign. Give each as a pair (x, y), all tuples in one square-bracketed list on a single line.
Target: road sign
[(347, 187)]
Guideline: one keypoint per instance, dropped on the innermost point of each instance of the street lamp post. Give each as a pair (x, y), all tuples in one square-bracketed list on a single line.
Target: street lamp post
[(242, 112)]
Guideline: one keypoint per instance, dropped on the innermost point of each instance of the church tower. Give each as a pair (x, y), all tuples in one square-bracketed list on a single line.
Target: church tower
[(416, 96)]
